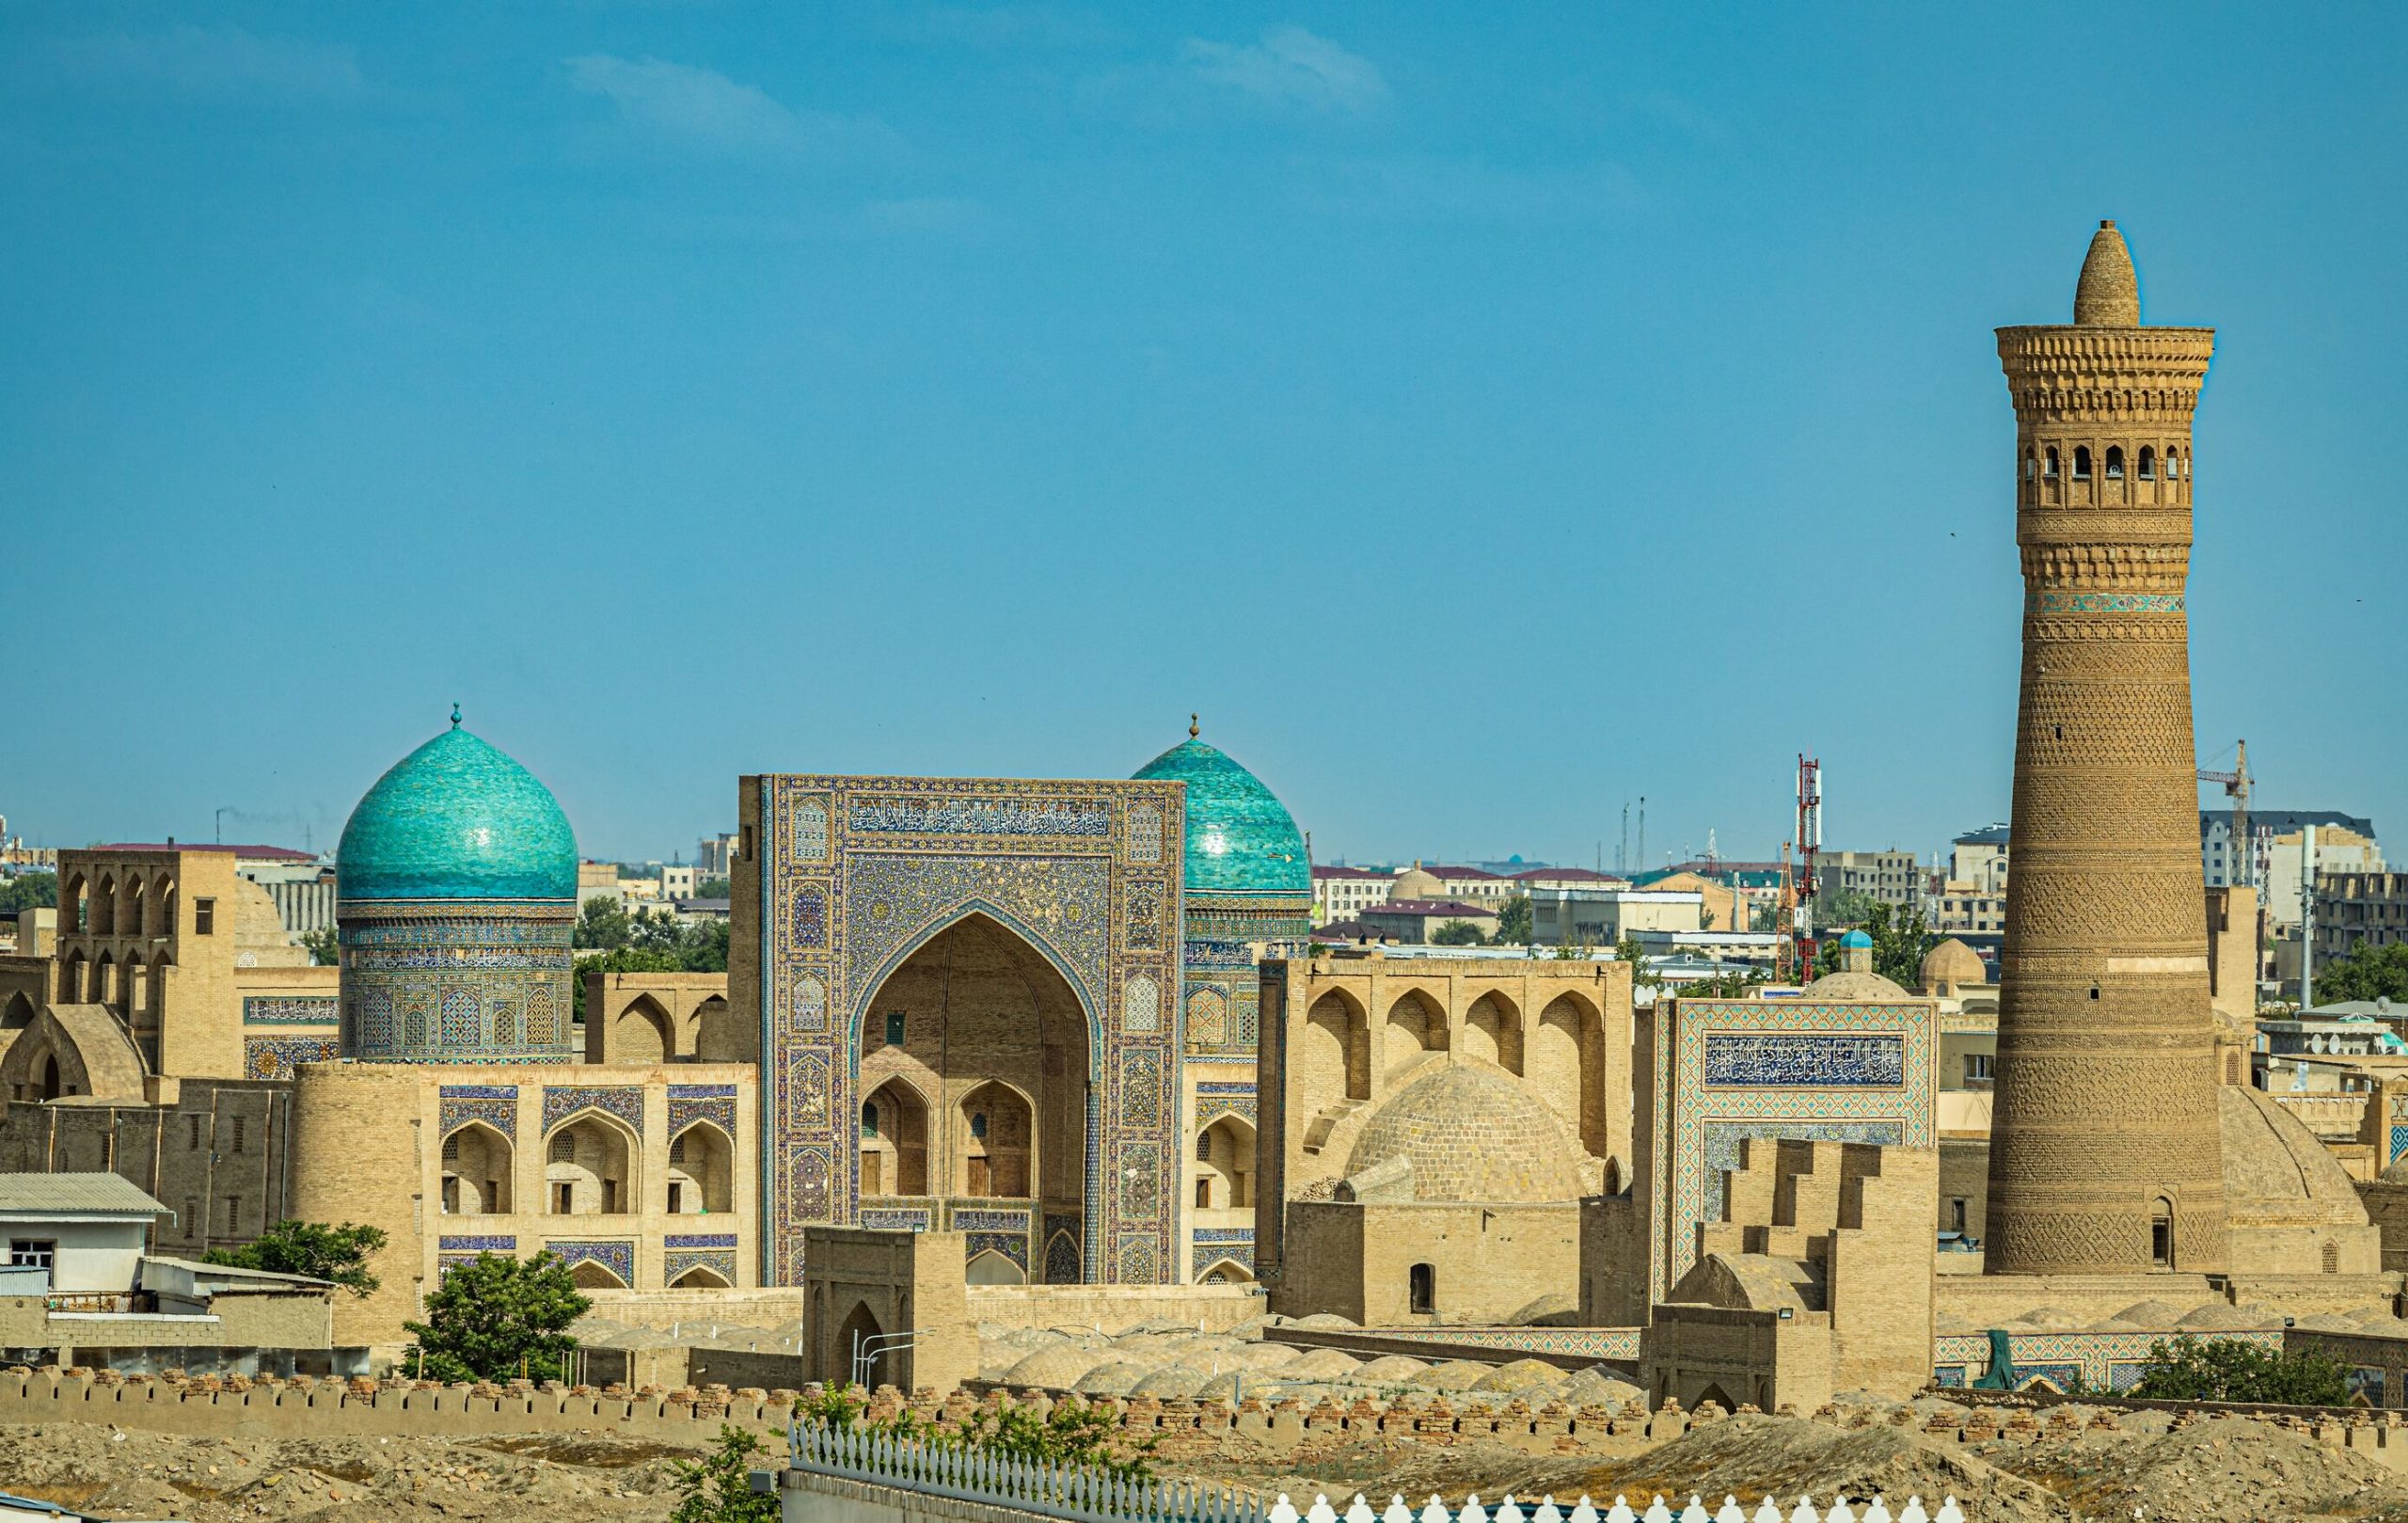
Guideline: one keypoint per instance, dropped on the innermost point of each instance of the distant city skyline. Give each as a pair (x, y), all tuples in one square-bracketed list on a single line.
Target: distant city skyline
[(1481, 423)]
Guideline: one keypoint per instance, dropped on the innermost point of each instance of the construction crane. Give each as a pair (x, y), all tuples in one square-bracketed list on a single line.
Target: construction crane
[(2236, 787)]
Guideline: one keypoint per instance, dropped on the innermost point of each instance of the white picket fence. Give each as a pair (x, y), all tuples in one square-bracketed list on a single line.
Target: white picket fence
[(1086, 1496), (1510, 1510)]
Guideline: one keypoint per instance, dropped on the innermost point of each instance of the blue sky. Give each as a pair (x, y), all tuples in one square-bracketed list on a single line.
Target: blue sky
[(1483, 422)]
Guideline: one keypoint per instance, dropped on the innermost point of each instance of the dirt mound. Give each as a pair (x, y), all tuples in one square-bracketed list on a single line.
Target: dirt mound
[(1748, 1456), (596, 1478), (2226, 1469)]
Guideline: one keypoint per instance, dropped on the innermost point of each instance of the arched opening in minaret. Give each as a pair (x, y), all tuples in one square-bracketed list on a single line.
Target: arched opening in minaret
[(2160, 1234), (2147, 464), (2082, 462), (2114, 462), (2052, 472)]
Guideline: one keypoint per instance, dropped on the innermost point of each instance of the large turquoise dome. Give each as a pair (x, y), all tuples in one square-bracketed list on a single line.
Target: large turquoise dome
[(1240, 838), (457, 819)]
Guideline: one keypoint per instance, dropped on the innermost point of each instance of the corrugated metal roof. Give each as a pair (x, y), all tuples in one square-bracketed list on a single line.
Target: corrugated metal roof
[(74, 1195)]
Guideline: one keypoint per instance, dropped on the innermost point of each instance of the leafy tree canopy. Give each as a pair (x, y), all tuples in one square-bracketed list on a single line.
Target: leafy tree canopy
[(497, 1315), (321, 1252), (648, 940), (1642, 972), (1900, 939), (2368, 973), (324, 944), (717, 1488), (714, 888), (28, 891), (1073, 1433), (1514, 922), (2226, 1370), (1457, 934)]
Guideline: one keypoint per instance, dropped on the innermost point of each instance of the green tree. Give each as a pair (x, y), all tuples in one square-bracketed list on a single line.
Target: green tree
[(1642, 972), (717, 1488), (1514, 922), (1900, 939), (312, 1248), (1730, 984), (654, 940), (602, 922), (324, 946), (1073, 1433), (496, 1316), (1457, 934), (1844, 908), (2227, 1370), (28, 891), (714, 888), (2368, 973)]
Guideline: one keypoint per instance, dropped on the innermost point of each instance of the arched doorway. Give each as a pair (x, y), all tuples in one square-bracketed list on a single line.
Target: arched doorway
[(975, 1068), (585, 1167), (855, 1337), (1224, 1170), (593, 1274), (702, 1170), (643, 1033), (895, 1141), (476, 1171), (993, 1268)]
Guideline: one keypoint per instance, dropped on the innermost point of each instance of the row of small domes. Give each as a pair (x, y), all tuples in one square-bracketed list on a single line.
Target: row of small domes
[(459, 818)]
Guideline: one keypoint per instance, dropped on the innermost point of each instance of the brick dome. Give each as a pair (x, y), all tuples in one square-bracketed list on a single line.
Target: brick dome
[(1472, 1134), (1952, 963)]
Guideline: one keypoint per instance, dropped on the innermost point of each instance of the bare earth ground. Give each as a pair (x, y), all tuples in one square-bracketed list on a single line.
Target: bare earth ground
[(2228, 1471), (122, 1473)]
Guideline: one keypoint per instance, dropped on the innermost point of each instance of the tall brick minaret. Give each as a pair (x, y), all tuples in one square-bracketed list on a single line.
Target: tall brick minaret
[(2104, 1149)]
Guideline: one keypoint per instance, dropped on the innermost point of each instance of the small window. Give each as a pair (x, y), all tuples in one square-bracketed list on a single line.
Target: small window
[(1203, 1195), (894, 1029), (745, 849), (1977, 1064), (451, 1148), (677, 1150), (204, 917), (192, 1216), (238, 1134), (563, 1149), (2332, 1258), (1204, 1147), (560, 1200), (869, 1121), (192, 1138), (2082, 462), (2052, 472), (1422, 1289), (233, 1214), (978, 1124), (2114, 462), (2161, 1234), (32, 1253), (2031, 465), (2147, 464), (1957, 1218)]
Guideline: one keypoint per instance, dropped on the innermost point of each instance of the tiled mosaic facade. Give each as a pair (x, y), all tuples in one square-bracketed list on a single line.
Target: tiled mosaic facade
[(272, 1057), (712, 1102), (456, 980), (2102, 1361), (681, 1253), (617, 1255), (625, 1101), (291, 1010), (1782, 1068), (495, 1104), (857, 873), (1213, 1246)]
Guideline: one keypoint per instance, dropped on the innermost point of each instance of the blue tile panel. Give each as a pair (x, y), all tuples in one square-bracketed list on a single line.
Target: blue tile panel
[(457, 981), (1791, 1060), (617, 1255), (457, 819), (495, 1104), (290, 1011), (272, 1057), (2103, 1362), (625, 1101)]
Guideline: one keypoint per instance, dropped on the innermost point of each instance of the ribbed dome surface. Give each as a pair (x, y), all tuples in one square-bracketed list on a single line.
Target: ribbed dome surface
[(1953, 962), (1471, 1133), (1240, 838), (457, 819)]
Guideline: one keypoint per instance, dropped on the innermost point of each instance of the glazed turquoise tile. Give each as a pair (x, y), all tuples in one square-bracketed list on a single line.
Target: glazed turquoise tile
[(457, 819), (1240, 837)]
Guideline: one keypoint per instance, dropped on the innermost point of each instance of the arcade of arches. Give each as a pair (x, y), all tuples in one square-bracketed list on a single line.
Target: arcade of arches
[(975, 1076)]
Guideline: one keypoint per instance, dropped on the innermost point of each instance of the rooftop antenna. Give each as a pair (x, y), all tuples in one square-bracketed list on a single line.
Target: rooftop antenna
[(1642, 830)]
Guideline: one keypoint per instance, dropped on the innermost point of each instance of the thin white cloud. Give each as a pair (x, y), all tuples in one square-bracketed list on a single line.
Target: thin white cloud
[(1437, 189), (192, 63), (702, 109), (1290, 67)]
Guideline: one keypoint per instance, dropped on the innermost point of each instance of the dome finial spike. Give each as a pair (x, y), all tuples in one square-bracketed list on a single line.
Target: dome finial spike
[(455, 715), (1194, 729)]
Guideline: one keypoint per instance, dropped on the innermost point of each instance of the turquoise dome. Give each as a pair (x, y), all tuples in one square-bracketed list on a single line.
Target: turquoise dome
[(457, 819), (1856, 938), (1240, 838)]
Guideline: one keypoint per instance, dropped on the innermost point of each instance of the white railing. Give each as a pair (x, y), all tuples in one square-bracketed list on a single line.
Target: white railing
[(971, 1474), (1510, 1511)]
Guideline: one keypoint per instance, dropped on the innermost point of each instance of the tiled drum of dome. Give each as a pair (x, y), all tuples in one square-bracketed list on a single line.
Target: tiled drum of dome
[(1054, 864)]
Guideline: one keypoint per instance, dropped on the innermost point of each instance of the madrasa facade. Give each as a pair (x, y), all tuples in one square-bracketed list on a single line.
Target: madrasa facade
[(1023, 1011)]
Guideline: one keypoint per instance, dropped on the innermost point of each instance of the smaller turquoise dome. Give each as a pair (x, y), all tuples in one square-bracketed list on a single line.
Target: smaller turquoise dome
[(1240, 838), (1857, 937), (457, 819)]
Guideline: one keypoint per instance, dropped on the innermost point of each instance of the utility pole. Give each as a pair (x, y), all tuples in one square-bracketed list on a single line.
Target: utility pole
[(2306, 919), (1621, 849)]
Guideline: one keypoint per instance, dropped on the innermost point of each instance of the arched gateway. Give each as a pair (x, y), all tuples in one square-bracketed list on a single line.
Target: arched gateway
[(967, 994)]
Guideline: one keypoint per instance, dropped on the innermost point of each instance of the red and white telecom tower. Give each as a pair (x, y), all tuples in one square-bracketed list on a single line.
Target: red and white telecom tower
[(1798, 893)]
